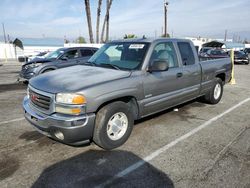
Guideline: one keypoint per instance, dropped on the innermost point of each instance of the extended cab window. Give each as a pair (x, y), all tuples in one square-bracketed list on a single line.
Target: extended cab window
[(187, 54), (165, 51), (71, 54), (86, 52)]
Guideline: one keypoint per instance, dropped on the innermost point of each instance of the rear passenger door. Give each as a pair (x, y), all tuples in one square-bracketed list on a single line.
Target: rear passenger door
[(86, 54), (191, 71)]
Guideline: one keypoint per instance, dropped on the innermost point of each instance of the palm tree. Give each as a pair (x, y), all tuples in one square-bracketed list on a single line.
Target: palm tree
[(88, 14), (98, 20), (106, 22)]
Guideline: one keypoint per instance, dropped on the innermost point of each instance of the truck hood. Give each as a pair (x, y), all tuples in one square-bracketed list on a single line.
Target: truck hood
[(75, 78)]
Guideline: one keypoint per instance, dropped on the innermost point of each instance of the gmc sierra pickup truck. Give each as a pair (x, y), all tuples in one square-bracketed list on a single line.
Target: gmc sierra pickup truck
[(123, 81)]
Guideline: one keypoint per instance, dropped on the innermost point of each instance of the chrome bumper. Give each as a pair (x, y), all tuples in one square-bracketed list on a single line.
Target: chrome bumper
[(73, 130)]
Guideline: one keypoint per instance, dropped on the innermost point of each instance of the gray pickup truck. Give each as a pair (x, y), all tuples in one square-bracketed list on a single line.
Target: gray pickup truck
[(123, 81)]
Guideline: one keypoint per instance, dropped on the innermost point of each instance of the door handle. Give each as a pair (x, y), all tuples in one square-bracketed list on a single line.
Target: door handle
[(178, 75)]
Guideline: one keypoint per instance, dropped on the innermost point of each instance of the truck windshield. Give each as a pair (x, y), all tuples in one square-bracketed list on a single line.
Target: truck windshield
[(123, 55), (54, 54)]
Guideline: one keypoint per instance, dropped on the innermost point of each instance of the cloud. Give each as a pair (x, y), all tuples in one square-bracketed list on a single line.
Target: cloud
[(185, 17)]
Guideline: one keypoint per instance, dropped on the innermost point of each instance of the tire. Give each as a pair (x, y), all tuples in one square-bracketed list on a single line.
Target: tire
[(215, 94), (107, 134)]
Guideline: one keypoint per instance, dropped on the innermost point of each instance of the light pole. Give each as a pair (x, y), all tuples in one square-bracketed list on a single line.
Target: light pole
[(165, 17)]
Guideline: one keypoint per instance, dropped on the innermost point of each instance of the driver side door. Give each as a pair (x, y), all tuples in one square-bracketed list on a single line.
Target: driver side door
[(162, 89)]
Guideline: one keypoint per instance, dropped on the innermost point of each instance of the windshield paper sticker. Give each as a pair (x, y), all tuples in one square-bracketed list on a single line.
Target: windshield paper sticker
[(136, 46)]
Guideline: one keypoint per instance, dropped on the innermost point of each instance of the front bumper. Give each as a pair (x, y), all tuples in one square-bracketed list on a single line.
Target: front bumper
[(72, 130), (28, 73)]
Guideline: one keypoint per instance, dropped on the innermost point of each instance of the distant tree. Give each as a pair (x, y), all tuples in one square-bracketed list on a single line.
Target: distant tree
[(66, 41), (129, 36), (80, 40), (88, 14)]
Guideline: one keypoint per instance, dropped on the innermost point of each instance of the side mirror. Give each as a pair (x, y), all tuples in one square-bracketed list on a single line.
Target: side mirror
[(158, 66), (64, 58)]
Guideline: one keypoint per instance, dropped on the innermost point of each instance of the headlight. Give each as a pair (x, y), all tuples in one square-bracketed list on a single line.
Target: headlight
[(72, 111), (68, 103), (70, 98)]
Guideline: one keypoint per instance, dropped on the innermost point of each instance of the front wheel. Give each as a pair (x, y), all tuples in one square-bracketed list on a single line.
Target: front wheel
[(47, 70), (113, 126), (215, 94)]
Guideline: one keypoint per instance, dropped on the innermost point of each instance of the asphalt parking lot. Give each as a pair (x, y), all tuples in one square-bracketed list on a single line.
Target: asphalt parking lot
[(198, 145)]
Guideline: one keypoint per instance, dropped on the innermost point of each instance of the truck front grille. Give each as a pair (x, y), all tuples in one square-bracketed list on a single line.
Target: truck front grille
[(39, 100)]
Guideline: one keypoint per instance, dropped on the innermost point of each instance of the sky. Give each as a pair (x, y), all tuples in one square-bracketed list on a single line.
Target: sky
[(67, 18)]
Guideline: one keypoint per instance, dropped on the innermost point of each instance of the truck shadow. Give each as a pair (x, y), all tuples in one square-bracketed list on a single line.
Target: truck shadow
[(183, 111), (12, 87), (95, 167)]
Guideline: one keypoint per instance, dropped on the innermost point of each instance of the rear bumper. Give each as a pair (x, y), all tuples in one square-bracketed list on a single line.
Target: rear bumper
[(72, 130), (243, 61)]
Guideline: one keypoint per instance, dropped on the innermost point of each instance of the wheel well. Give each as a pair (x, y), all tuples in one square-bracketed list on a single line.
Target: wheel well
[(222, 76), (130, 100), (49, 69)]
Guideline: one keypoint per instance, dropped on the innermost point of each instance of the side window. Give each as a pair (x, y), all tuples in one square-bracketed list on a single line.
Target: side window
[(165, 51), (114, 53), (86, 52), (71, 54), (187, 54)]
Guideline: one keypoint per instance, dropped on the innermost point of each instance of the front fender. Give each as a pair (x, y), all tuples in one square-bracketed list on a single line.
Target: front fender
[(46, 68), (94, 104)]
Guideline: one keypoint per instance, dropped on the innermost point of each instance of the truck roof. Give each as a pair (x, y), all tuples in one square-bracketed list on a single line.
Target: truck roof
[(77, 47), (151, 40)]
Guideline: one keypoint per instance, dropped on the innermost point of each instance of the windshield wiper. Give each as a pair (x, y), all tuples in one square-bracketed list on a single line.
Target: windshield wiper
[(111, 65)]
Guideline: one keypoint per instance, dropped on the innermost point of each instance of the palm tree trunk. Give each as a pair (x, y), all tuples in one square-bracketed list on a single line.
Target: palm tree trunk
[(88, 14), (103, 28), (98, 20), (106, 22)]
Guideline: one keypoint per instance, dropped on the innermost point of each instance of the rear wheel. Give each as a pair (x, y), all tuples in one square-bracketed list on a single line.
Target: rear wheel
[(113, 126), (215, 94)]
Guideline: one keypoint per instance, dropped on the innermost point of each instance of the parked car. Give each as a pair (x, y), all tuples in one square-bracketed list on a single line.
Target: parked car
[(125, 81), (63, 57), (241, 57), (216, 53), (247, 50), (203, 51)]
